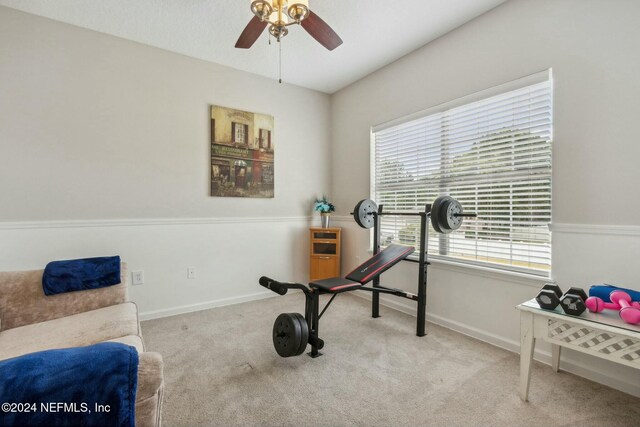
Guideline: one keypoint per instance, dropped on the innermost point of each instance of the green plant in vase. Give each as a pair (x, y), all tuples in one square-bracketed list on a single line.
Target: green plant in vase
[(325, 207)]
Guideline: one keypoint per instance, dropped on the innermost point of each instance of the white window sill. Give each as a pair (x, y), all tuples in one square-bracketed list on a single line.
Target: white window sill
[(492, 273), (524, 279)]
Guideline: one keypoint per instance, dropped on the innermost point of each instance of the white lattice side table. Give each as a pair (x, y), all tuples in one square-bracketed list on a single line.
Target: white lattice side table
[(602, 335)]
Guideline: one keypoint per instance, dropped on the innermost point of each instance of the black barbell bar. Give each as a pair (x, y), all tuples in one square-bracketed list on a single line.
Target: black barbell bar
[(394, 213), (465, 215)]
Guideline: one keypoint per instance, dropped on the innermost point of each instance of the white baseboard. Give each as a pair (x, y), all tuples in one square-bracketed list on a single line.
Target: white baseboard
[(189, 308), (627, 386)]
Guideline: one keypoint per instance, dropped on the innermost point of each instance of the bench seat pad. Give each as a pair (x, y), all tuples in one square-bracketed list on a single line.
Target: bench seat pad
[(335, 285)]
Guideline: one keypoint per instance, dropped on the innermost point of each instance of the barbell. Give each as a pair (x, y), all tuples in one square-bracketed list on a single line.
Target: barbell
[(446, 214)]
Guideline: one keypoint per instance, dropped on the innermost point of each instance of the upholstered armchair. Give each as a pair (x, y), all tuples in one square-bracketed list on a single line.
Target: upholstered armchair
[(30, 321)]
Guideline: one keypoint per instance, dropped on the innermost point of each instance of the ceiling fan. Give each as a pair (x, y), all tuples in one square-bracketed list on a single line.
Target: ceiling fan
[(279, 15)]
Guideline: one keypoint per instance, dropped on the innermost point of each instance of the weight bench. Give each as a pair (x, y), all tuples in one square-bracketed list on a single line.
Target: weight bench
[(292, 331)]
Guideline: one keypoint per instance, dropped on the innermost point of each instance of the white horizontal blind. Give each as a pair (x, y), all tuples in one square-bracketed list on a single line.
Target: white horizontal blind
[(494, 156)]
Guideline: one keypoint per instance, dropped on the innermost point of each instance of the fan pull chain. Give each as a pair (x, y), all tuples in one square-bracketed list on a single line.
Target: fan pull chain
[(280, 55)]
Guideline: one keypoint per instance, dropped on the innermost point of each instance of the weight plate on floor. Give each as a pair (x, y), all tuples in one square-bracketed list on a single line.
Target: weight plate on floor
[(304, 328), (287, 334), (363, 213)]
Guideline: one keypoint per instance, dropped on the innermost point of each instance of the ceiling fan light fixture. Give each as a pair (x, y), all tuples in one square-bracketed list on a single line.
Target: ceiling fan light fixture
[(278, 27), (299, 10), (262, 8), (279, 15), (279, 19)]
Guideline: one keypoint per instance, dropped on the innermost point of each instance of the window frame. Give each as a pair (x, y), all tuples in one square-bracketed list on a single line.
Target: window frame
[(530, 80)]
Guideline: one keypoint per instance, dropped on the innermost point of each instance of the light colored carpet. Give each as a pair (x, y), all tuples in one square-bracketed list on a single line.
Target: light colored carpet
[(221, 369)]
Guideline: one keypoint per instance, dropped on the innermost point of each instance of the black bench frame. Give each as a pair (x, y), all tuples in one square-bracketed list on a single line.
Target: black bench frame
[(312, 313), (423, 262)]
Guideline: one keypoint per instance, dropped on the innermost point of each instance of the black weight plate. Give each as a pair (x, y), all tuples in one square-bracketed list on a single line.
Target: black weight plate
[(442, 216), (363, 211), (304, 328), (287, 334), (436, 207), (451, 222)]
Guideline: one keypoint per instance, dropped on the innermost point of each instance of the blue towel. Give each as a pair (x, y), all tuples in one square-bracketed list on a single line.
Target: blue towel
[(80, 274), (102, 374), (603, 291)]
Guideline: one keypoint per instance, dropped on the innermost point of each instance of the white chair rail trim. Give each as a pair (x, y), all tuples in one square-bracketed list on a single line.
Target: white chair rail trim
[(20, 225)]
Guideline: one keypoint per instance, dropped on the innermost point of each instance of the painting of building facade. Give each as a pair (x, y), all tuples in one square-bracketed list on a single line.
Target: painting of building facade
[(242, 148)]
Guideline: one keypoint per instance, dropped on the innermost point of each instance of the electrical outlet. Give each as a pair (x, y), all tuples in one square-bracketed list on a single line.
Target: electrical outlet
[(191, 273), (137, 277)]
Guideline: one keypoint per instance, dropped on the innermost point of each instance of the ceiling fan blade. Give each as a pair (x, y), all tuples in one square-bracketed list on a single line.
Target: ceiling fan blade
[(251, 32), (321, 31)]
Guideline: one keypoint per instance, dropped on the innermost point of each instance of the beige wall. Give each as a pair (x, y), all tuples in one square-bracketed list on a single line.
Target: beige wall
[(592, 46), (105, 149), (94, 127)]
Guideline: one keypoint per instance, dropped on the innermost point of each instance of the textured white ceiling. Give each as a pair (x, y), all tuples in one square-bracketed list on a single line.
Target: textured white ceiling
[(375, 32)]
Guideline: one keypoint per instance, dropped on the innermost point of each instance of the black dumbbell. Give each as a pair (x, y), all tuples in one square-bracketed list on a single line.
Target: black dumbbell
[(573, 301), (549, 296)]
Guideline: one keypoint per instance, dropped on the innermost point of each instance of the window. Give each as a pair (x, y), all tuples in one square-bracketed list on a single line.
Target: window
[(239, 132), (492, 152), (265, 139)]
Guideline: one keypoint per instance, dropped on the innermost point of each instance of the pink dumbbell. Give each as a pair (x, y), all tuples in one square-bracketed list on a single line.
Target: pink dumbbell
[(629, 312), (597, 305)]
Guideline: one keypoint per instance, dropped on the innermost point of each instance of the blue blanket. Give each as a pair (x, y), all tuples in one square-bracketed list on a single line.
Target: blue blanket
[(82, 386), (80, 274), (603, 291)]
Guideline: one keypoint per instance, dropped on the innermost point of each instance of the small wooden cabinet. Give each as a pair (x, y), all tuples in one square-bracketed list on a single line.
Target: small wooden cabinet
[(324, 250)]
